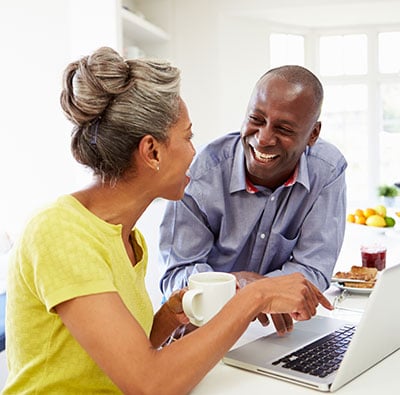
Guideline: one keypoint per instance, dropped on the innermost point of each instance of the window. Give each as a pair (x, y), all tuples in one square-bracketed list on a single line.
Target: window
[(389, 94), (360, 71), (286, 49), (345, 108), (344, 122), (389, 54), (343, 55), (390, 98), (389, 137)]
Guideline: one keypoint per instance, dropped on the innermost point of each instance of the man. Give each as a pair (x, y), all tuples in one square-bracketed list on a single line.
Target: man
[(268, 201)]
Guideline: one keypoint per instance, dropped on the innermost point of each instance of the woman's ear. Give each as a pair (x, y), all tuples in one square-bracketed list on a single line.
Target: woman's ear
[(314, 134), (149, 152)]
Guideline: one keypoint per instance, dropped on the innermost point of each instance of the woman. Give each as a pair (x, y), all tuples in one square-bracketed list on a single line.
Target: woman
[(79, 319)]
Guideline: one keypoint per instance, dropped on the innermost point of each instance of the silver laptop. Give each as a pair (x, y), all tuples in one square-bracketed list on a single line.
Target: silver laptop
[(343, 352)]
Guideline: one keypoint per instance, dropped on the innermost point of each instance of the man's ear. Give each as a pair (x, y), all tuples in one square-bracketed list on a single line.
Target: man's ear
[(149, 152), (314, 134)]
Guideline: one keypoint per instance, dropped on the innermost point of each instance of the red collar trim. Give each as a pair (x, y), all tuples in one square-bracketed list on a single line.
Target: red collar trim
[(251, 188), (292, 179)]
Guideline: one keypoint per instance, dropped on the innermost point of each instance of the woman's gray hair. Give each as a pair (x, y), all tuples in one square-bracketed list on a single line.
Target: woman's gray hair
[(113, 103)]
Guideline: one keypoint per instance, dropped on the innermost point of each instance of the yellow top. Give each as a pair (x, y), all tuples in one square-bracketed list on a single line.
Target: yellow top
[(65, 252)]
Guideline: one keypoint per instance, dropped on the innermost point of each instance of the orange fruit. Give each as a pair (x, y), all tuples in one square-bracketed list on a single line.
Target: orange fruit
[(360, 219), (351, 218), (359, 212), (368, 212)]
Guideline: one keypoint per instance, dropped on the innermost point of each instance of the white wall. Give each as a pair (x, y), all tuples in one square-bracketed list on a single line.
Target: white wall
[(195, 45), (38, 39), (33, 134), (221, 57), (243, 49)]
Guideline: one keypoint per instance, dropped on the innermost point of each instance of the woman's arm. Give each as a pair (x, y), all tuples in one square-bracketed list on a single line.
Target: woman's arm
[(113, 338)]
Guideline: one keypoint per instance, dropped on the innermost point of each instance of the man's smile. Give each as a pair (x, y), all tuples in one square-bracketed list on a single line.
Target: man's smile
[(260, 156)]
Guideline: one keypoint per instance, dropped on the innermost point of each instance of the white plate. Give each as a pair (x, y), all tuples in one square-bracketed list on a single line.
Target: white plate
[(360, 291), (373, 230)]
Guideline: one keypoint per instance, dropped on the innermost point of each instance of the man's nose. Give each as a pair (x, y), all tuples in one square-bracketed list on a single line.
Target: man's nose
[(265, 135)]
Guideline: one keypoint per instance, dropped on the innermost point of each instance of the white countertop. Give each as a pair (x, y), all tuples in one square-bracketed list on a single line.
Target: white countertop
[(383, 378)]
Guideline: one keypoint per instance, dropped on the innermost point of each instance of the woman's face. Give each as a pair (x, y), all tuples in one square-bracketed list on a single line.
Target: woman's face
[(178, 155)]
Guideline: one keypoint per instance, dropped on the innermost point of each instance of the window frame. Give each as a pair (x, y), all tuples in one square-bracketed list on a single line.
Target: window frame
[(373, 79)]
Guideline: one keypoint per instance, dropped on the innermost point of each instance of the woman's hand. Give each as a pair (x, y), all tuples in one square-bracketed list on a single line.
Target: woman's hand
[(292, 294), (283, 322), (174, 304), (168, 318)]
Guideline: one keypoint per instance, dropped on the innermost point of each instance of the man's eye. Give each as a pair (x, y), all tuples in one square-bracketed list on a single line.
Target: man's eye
[(285, 131), (255, 119)]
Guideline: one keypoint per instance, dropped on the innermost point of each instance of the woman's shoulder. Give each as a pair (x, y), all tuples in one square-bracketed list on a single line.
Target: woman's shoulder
[(63, 216)]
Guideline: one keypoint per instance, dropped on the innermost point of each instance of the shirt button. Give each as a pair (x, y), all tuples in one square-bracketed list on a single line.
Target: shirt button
[(262, 235), (272, 198)]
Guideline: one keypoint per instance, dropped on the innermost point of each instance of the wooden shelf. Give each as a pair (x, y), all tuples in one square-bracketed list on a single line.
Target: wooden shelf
[(140, 30)]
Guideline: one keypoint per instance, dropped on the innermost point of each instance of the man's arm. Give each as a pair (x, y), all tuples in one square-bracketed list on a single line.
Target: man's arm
[(198, 238)]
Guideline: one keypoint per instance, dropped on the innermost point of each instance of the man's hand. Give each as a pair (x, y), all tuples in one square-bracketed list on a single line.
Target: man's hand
[(244, 278), (283, 322)]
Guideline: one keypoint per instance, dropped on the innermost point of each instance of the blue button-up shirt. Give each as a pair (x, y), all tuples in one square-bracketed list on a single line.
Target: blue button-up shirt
[(219, 225)]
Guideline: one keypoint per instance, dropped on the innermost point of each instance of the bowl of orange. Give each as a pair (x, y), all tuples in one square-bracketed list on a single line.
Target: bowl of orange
[(372, 217)]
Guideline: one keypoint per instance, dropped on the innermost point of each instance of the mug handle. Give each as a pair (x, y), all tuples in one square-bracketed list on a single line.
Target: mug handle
[(187, 304)]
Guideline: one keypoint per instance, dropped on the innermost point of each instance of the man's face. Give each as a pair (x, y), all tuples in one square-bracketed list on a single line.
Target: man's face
[(281, 120)]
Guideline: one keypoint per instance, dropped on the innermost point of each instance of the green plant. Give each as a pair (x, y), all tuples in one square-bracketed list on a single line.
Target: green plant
[(387, 190)]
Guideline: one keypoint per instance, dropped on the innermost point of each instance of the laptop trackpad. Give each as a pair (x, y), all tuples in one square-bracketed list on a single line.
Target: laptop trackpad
[(274, 346), (303, 333)]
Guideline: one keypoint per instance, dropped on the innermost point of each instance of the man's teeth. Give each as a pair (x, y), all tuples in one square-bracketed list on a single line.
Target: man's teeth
[(261, 156)]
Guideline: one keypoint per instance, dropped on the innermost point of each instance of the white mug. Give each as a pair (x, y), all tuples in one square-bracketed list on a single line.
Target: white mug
[(208, 292)]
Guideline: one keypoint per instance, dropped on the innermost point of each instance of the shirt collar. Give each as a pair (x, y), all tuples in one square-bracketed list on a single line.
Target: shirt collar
[(238, 175), (302, 175), (239, 180)]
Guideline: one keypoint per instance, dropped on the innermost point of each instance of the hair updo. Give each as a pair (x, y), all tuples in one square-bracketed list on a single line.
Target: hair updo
[(113, 103)]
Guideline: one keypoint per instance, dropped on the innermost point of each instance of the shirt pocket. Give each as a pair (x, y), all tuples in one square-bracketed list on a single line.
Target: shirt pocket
[(280, 249)]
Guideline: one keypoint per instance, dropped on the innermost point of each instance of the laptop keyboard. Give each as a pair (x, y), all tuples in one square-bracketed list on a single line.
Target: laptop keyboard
[(321, 357)]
